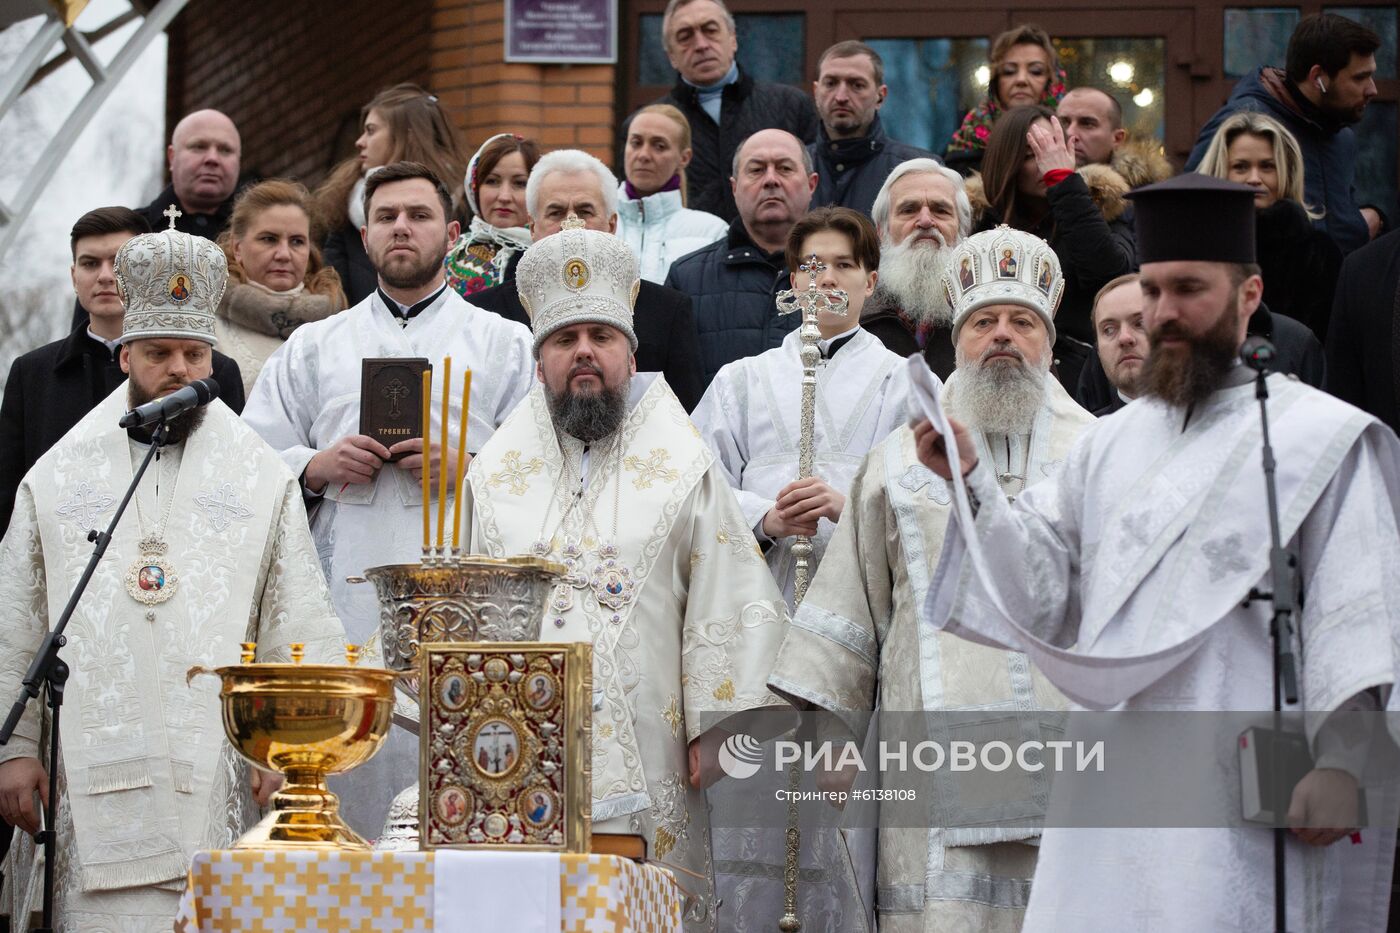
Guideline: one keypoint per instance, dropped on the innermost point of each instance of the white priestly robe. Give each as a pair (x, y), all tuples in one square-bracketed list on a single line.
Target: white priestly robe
[(751, 416), (698, 636), (149, 775), (1139, 554), (856, 645), (308, 397)]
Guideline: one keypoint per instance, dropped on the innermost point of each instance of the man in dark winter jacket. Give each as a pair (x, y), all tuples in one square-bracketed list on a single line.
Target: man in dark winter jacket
[(50, 389), (723, 104), (203, 157), (1329, 79), (1363, 352), (853, 157), (734, 282)]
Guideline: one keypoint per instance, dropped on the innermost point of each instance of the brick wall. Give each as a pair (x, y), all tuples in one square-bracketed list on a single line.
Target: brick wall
[(561, 106), (294, 76)]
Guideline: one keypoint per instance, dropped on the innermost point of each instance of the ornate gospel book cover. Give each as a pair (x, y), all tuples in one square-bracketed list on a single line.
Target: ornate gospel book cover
[(504, 746)]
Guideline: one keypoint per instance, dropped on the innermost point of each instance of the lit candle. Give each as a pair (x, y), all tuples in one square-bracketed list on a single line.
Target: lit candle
[(427, 426), (442, 442), (461, 461)]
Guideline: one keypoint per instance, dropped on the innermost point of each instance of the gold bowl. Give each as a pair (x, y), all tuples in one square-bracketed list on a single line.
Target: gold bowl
[(305, 721)]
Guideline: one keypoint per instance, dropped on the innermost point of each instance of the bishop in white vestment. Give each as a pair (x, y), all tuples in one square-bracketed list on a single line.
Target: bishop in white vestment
[(214, 550), (606, 474), (307, 403), (1136, 563), (856, 645)]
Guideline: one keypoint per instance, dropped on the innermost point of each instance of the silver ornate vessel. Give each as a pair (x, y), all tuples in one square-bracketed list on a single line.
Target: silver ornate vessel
[(461, 599)]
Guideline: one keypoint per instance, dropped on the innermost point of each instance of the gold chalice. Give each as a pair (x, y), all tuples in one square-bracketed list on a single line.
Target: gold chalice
[(305, 721)]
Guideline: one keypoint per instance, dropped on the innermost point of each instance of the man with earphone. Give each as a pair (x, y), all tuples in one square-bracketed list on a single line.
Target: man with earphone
[(1323, 90)]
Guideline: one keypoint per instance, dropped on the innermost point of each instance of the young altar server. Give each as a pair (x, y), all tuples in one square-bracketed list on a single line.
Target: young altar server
[(751, 416)]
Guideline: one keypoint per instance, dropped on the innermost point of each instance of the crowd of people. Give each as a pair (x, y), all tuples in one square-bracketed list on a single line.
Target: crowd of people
[(634, 414)]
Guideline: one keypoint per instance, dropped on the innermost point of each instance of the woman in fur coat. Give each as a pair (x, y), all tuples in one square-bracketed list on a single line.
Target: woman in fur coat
[(276, 281)]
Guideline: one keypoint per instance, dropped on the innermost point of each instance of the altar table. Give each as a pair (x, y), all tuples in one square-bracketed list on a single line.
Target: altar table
[(254, 891)]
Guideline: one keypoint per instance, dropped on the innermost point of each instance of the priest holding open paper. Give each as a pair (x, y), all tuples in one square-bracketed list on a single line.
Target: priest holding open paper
[(1127, 581)]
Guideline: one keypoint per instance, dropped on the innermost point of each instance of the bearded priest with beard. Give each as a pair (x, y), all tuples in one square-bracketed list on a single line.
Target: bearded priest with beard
[(213, 551), (1137, 565), (600, 469), (921, 211), (856, 643)]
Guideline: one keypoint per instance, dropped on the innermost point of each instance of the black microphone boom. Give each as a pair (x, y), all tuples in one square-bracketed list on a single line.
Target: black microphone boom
[(197, 393), (1258, 354)]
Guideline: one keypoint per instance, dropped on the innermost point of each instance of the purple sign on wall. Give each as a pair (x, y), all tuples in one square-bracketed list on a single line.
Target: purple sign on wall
[(561, 31)]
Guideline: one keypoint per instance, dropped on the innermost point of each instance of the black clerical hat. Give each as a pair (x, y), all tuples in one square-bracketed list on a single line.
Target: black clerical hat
[(1194, 217)]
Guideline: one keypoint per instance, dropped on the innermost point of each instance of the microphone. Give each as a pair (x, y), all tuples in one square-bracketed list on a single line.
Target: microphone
[(1258, 354), (197, 393)]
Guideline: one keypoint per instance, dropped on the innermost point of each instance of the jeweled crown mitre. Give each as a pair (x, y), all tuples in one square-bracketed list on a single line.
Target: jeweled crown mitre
[(1003, 266), (578, 276)]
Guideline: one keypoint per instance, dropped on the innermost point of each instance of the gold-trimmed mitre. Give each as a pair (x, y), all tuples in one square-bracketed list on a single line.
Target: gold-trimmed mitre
[(578, 276)]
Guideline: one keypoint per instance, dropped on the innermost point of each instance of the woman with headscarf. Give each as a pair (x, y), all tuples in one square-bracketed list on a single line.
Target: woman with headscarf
[(1024, 71), (1298, 262), (401, 123), (276, 280), (485, 253)]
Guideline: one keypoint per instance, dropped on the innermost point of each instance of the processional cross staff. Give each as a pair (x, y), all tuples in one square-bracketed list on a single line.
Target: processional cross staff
[(809, 302)]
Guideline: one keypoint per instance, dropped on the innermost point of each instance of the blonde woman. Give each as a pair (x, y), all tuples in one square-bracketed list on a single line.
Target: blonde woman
[(276, 280), (651, 212), (1298, 260)]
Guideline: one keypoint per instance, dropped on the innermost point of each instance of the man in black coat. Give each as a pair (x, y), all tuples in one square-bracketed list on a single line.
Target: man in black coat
[(203, 157), (1297, 353), (569, 182), (854, 156), (50, 389), (723, 104), (204, 161), (734, 282), (1363, 353)]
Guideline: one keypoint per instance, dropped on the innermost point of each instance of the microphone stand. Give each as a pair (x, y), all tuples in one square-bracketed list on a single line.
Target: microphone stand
[(50, 671), (1283, 578)]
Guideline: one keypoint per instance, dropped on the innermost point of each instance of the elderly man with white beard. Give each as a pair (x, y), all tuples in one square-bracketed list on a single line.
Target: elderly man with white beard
[(856, 644), (921, 209)]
